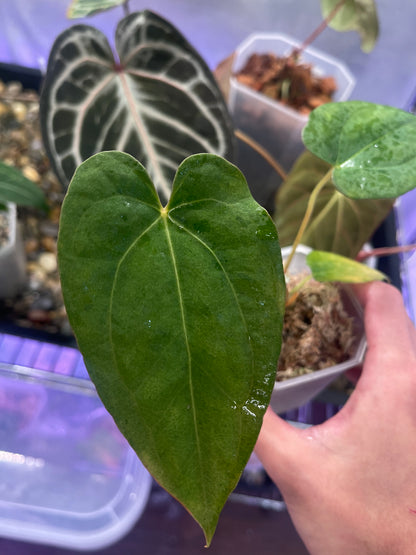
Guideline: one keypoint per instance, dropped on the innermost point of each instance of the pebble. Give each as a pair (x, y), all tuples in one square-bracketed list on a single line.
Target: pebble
[(31, 174), (19, 111), (47, 262), (31, 245), (49, 244)]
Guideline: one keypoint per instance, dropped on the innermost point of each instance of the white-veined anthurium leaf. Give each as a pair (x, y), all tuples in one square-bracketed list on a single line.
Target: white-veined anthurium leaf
[(178, 313), (158, 102)]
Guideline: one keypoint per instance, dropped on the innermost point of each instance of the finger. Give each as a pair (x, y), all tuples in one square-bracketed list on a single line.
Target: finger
[(412, 333), (278, 447), (386, 321)]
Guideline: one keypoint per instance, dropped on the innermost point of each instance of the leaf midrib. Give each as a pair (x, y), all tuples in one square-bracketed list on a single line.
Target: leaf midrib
[(188, 350)]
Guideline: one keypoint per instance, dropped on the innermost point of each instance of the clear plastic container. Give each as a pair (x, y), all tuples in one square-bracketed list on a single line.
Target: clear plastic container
[(276, 127), (68, 477)]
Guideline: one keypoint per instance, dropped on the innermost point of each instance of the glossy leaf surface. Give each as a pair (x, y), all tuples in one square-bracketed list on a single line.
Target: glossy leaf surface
[(355, 15), (338, 224), (15, 187), (158, 102), (327, 266), (372, 147), (178, 313), (84, 8)]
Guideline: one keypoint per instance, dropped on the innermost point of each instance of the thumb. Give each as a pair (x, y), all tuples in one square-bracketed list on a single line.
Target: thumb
[(279, 448)]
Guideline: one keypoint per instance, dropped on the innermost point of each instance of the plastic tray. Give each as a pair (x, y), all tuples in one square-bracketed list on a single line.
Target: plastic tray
[(68, 477)]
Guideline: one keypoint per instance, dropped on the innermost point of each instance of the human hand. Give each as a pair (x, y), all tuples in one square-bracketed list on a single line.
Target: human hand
[(350, 483)]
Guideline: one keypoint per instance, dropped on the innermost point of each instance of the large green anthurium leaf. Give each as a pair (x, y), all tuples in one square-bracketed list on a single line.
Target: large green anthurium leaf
[(83, 8), (178, 313), (372, 147), (338, 224), (15, 187), (159, 102), (355, 15), (327, 266)]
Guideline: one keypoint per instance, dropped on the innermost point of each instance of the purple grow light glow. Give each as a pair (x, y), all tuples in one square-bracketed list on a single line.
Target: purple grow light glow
[(58, 359), (406, 235)]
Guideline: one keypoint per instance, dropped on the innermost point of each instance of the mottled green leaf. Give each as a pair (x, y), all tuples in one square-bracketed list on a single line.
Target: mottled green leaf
[(15, 187), (84, 8), (178, 313), (338, 224), (372, 147), (327, 266), (355, 15)]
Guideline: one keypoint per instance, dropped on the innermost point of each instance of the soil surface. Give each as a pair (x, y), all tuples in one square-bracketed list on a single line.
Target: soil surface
[(317, 331), (287, 80)]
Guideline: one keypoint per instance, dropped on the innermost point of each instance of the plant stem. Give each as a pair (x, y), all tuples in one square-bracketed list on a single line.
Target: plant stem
[(262, 151), (294, 292), (385, 251), (126, 7), (324, 24), (309, 210)]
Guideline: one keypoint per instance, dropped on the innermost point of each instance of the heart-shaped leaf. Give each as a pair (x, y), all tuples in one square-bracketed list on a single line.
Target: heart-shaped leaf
[(159, 102), (178, 313), (354, 15), (338, 224), (327, 266), (372, 147), (15, 187)]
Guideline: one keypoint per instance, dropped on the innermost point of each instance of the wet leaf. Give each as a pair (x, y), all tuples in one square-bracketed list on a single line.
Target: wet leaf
[(327, 266), (355, 15), (178, 313), (15, 187), (338, 224), (84, 8), (372, 147), (159, 102)]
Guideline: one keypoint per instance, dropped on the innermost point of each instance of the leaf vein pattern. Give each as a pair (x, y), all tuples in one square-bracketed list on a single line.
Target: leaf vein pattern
[(111, 301), (110, 333), (185, 332), (207, 247)]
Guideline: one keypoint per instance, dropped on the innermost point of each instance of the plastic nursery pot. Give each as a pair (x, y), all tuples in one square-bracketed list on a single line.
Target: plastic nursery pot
[(276, 127), (69, 478), (12, 257), (295, 392)]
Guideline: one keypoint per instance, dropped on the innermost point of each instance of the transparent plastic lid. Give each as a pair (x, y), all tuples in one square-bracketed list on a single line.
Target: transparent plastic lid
[(67, 475)]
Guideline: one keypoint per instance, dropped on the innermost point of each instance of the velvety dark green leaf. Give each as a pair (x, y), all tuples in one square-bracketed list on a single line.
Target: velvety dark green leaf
[(178, 313), (372, 147), (338, 224), (15, 187), (84, 8), (160, 102), (355, 15), (327, 266)]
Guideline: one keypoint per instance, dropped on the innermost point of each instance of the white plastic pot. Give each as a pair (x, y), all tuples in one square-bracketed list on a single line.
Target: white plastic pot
[(12, 257), (295, 392)]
